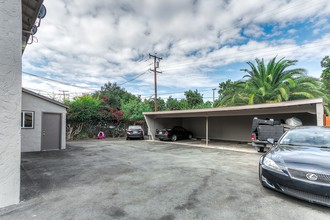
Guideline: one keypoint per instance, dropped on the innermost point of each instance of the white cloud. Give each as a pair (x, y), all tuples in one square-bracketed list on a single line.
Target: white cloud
[(253, 31), (92, 42)]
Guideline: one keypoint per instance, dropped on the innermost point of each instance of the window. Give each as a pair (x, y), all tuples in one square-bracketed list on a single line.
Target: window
[(27, 119)]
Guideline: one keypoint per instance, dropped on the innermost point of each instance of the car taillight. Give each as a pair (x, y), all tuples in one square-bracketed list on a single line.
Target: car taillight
[(253, 136), (141, 131), (129, 131), (167, 132)]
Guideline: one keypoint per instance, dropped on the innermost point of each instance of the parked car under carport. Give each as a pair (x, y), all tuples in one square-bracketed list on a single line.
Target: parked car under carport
[(173, 134)]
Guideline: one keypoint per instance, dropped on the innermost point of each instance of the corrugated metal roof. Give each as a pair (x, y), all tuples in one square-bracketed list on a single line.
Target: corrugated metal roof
[(30, 11), (304, 105)]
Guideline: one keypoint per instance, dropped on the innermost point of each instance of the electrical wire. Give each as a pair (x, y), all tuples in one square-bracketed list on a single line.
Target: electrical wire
[(133, 78), (57, 81)]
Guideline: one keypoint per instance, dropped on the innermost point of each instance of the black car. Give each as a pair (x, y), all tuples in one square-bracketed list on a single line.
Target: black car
[(299, 165), (173, 134), (134, 131)]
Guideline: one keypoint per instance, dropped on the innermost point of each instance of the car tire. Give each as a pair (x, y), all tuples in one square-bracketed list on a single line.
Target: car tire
[(260, 178), (127, 138), (142, 138), (160, 139), (190, 136), (260, 174), (261, 149), (174, 137)]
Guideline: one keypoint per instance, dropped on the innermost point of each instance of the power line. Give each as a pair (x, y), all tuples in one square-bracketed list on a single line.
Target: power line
[(133, 78), (171, 93), (57, 81)]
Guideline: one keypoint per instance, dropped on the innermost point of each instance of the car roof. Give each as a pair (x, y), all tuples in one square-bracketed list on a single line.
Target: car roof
[(311, 128)]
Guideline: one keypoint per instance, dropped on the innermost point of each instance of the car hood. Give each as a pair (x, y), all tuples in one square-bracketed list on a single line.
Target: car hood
[(302, 157)]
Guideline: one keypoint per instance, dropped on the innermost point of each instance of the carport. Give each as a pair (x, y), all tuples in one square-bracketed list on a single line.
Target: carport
[(234, 123)]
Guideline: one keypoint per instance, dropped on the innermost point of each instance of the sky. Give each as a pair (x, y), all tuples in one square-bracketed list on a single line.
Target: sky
[(84, 44)]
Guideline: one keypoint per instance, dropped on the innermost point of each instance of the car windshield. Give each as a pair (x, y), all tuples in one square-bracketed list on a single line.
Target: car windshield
[(317, 138)]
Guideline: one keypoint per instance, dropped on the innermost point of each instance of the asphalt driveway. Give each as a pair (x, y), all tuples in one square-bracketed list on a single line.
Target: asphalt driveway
[(149, 180)]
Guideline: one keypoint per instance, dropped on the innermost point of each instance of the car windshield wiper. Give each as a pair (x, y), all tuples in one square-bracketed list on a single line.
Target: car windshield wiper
[(291, 144), (323, 146), (298, 145)]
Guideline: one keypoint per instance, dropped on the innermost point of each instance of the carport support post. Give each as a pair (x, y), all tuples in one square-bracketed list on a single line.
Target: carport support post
[(10, 100), (207, 131), (319, 114)]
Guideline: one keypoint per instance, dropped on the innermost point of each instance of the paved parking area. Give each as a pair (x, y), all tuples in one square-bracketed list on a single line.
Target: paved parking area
[(149, 180)]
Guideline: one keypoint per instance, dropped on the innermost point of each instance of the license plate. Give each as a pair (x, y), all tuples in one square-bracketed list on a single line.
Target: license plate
[(160, 132), (135, 132)]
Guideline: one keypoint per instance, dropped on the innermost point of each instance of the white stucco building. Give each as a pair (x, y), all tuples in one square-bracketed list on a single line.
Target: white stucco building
[(43, 123), (17, 18)]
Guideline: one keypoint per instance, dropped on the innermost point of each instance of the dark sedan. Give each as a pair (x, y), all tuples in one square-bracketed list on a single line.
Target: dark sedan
[(134, 131), (173, 134), (299, 165)]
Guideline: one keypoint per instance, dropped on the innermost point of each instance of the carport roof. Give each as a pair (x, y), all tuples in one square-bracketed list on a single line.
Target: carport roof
[(296, 106)]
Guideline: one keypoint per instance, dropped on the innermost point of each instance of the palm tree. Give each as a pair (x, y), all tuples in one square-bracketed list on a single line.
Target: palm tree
[(274, 82)]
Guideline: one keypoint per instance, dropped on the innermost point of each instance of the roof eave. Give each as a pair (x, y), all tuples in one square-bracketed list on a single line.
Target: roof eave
[(44, 98), (242, 108)]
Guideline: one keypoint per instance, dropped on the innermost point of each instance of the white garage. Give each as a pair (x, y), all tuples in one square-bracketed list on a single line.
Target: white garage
[(234, 123), (43, 123)]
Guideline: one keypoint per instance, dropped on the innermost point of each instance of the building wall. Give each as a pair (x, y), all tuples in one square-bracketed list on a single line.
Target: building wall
[(236, 128), (10, 100), (31, 137), (159, 123)]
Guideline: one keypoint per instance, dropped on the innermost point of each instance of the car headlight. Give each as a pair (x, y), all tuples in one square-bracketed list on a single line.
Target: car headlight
[(271, 164)]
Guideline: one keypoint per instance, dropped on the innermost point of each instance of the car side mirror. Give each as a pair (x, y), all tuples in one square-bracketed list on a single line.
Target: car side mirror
[(271, 141)]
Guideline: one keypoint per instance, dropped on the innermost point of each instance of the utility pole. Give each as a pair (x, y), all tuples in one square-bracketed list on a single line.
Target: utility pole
[(64, 94), (213, 97), (156, 65)]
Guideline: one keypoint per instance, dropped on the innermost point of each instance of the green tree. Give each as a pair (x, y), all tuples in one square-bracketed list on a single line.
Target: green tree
[(325, 63), (325, 78), (133, 110), (273, 82), (82, 110), (113, 95), (173, 104), (161, 105), (231, 93), (207, 104), (194, 98)]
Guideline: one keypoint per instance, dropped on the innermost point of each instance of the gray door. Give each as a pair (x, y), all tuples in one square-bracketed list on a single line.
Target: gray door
[(51, 131)]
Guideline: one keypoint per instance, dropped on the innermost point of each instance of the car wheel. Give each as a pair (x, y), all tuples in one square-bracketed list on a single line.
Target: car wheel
[(261, 149), (127, 138), (190, 136), (160, 139), (174, 137), (142, 138)]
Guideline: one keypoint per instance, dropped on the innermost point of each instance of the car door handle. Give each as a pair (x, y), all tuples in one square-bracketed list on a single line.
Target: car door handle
[(43, 133)]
